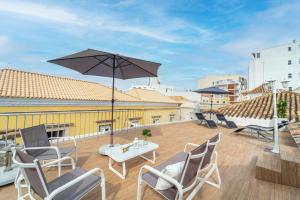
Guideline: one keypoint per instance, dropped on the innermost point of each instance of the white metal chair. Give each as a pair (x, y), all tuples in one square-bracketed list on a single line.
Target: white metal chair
[(210, 163), (37, 144), (200, 164), (71, 185), (193, 162)]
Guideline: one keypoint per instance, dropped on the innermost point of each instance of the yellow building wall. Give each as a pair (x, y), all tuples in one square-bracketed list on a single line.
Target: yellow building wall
[(80, 120)]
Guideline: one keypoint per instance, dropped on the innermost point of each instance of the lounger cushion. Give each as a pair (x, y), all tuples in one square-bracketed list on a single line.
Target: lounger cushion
[(51, 153), (151, 179), (76, 191), (231, 124), (211, 124), (174, 171)]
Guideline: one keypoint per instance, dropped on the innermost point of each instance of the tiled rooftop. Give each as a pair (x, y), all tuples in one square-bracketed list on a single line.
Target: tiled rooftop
[(262, 107), (21, 84)]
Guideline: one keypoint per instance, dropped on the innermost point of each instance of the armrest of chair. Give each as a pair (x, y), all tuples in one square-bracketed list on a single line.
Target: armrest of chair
[(189, 144), (165, 177), (63, 138), (76, 180), (60, 160), (47, 147)]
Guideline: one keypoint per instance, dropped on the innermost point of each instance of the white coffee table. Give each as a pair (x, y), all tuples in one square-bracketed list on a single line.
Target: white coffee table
[(115, 154)]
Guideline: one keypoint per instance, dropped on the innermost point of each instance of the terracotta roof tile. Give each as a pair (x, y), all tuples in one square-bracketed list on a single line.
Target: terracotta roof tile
[(150, 95), (258, 90), (262, 107), (178, 98), (21, 84)]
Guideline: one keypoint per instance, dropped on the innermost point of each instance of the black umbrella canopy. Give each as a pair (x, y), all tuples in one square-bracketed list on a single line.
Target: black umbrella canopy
[(212, 90), (100, 63)]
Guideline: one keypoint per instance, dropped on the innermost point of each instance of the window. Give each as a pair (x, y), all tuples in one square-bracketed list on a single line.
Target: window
[(290, 89), (258, 55), (289, 48), (172, 117), (289, 62), (134, 123), (290, 75), (104, 128), (155, 121), (57, 133)]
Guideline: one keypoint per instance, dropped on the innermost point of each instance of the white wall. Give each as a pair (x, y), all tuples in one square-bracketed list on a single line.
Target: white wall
[(187, 114), (273, 65), (242, 121)]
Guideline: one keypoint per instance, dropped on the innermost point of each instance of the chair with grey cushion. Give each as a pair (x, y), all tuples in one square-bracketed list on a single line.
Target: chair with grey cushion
[(72, 185), (187, 180), (37, 144)]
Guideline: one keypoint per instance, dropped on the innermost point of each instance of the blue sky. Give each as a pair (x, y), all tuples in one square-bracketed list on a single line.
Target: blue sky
[(190, 38)]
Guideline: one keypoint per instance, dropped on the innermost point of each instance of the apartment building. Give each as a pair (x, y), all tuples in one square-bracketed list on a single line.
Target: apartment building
[(280, 63), (233, 83)]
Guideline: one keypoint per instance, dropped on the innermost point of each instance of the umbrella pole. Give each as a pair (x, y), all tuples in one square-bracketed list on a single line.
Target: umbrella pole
[(211, 102), (112, 104)]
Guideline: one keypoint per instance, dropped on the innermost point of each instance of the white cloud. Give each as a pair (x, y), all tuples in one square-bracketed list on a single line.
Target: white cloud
[(162, 28), (243, 46), (39, 12), (7, 45), (3, 41), (274, 26)]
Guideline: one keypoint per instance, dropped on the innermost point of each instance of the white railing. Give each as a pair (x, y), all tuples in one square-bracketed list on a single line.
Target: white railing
[(83, 123)]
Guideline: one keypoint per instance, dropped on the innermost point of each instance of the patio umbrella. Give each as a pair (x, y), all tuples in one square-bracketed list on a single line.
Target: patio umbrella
[(100, 63), (211, 91)]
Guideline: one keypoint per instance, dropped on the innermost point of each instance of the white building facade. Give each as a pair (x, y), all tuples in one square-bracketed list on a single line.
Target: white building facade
[(188, 107), (281, 63)]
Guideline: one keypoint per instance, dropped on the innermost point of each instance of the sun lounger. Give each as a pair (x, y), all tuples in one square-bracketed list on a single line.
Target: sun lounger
[(260, 131), (229, 124), (209, 123)]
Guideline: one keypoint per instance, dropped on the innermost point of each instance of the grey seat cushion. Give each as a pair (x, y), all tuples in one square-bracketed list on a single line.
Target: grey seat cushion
[(151, 178), (51, 153), (78, 190)]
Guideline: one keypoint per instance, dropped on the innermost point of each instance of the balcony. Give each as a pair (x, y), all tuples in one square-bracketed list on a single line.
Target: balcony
[(237, 160)]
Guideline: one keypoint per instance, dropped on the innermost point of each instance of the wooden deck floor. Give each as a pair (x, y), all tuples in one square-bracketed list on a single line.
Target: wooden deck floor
[(237, 158)]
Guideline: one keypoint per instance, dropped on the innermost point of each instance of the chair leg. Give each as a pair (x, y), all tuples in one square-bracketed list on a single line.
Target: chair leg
[(218, 183), (139, 187), (76, 158), (196, 189), (103, 190), (59, 168)]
